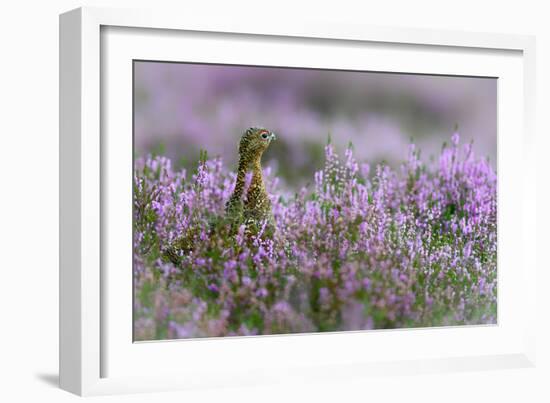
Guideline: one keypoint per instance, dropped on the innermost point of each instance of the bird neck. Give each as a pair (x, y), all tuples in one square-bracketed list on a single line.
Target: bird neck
[(241, 177), (244, 165), (257, 169)]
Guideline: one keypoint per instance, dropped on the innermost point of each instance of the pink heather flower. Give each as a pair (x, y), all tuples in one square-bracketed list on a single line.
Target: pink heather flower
[(455, 138), (414, 246)]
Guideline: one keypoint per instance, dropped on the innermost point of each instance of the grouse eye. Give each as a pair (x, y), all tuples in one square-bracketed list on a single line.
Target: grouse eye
[(264, 135)]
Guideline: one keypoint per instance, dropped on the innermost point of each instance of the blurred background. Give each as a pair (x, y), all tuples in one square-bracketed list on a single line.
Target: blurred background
[(181, 108)]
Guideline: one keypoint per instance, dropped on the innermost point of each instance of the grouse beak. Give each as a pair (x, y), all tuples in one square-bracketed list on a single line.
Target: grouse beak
[(272, 136)]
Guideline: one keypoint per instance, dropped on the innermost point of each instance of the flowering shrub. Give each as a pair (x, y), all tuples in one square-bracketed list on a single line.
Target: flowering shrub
[(354, 250)]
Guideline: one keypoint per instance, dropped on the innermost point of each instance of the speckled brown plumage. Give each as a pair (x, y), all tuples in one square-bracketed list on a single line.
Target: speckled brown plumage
[(254, 210), (256, 207)]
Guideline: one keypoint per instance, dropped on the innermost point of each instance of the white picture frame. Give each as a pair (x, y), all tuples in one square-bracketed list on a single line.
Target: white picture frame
[(96, 356)]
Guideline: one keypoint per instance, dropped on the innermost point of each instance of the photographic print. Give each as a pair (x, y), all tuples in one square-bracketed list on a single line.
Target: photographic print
[(275, 200)]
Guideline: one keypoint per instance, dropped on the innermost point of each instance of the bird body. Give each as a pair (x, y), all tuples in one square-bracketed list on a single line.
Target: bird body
[(255, 210), (256, 207)]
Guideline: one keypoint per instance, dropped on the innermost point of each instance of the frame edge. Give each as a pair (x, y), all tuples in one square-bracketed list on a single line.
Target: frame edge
[(532, 269), (78, 72), (70, 119)]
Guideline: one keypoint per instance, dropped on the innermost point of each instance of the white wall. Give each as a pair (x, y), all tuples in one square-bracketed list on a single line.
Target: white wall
[(29, 187)]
